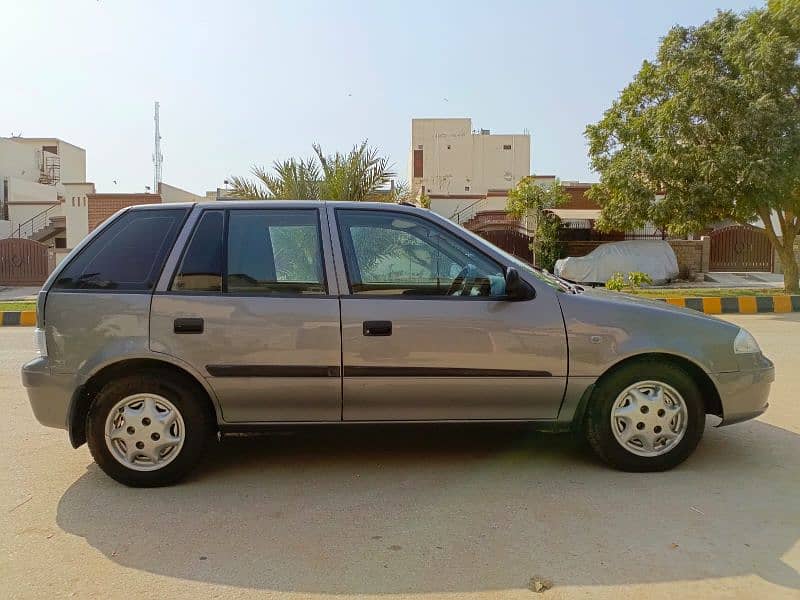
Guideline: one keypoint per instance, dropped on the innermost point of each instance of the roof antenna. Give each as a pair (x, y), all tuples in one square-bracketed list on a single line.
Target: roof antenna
[(158, 158)]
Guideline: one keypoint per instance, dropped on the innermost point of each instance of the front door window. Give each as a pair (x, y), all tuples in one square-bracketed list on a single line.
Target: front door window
[(392, 254)]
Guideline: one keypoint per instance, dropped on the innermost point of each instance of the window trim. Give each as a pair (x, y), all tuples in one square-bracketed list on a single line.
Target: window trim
[(89, 240), (225, 227), (351, 294)]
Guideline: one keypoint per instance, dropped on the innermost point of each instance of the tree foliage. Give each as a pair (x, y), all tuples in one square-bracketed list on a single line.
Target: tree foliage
[(708, 131), (533, 201), (357, 175)]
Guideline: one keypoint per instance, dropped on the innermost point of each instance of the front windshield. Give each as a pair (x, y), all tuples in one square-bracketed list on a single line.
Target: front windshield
[(548, 278)]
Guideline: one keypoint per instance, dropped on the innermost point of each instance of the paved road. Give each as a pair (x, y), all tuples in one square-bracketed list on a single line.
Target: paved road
[(467, 513)]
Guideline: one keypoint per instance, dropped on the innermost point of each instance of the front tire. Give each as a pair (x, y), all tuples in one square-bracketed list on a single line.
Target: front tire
[(147, 430), (645, 416)]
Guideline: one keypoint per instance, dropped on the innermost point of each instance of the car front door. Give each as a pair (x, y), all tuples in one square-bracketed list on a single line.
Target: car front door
[(428, 332), (249, 305)]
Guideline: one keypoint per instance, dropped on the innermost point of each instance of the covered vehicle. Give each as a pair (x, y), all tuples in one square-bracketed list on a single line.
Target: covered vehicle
[(654, 257)]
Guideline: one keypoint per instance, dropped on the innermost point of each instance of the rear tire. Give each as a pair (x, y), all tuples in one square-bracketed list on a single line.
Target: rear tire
[(645, 416), (147, 430)]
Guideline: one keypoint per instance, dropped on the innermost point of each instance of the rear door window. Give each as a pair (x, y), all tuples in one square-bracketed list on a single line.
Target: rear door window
[(274, 251), (127, 255)]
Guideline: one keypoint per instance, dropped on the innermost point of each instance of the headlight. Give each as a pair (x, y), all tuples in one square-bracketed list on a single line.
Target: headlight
[(745, 343), (40, 341)]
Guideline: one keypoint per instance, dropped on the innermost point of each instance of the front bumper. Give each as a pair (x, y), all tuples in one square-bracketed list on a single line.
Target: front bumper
[(50, 394), (744, 394)]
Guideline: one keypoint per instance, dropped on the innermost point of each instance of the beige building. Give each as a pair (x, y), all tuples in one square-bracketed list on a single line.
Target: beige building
[(457, 166), (43, 185), (44, 194)]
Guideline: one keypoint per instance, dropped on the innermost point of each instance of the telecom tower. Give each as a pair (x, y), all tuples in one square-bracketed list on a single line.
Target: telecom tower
[(158, 158)]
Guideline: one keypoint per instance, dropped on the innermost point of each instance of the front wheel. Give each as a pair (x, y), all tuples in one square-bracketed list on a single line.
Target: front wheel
[(147, 430), (645, 416)]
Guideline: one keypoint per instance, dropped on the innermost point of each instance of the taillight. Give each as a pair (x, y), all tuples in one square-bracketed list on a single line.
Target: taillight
[(40, 341), (40, 300)]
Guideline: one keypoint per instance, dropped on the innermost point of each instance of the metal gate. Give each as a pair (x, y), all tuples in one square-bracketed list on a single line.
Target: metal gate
[(24, 262), (739, 248), (513, 242)]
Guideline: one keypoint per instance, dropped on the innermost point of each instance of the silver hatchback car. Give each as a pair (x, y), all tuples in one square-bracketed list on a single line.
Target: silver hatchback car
[(174, 322)]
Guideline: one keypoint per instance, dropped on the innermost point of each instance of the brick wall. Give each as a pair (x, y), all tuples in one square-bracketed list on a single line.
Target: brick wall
[(688, 252), (102, 206)]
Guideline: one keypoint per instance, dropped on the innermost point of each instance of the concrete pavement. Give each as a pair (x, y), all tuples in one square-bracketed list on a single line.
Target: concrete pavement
[(423, 512)]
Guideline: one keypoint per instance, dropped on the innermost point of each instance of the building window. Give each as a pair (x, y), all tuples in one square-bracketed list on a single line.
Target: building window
[(61, 242), (466, 188), (448, 146), (418, 163), (506, 146), (50, 149)]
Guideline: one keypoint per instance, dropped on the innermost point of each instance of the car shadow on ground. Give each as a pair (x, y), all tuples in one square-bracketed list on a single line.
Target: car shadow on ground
[(411, 509)]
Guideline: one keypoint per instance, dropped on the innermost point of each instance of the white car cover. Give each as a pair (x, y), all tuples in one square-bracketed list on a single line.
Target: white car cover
[(654, 257)]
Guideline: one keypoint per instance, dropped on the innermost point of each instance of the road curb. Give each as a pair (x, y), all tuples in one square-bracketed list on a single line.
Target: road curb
[(712, 305), (26, 318), (748, 305)]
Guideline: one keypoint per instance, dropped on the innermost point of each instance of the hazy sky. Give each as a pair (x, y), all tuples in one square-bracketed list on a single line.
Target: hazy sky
[(251, 82)]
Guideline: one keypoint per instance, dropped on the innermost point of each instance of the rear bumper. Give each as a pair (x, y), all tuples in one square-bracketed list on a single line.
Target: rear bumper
[(744, 394), (50, 394)]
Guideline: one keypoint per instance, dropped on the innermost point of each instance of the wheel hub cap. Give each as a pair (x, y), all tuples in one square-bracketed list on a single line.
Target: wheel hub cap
[(649, 418), (145, 432)]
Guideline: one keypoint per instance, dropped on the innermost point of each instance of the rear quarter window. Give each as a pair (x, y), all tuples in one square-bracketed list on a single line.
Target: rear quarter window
[(127, 255)]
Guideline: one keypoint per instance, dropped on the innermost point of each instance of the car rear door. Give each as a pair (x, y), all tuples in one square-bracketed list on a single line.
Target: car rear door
[(417, 344), (250, 304)]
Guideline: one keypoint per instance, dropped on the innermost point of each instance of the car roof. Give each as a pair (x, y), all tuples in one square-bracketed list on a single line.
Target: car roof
[(280, 204)]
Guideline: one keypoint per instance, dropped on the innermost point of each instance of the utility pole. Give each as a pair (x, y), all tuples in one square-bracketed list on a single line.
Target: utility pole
[(158, 158)]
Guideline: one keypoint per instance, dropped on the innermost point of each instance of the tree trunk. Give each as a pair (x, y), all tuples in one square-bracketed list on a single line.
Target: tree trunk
[(790, 270), (783, 245)]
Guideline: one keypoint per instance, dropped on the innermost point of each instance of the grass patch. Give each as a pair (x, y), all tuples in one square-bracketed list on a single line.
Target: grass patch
[(704, 292), (24, 305)]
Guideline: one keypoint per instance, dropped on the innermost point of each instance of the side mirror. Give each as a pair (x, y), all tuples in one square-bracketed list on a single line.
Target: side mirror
[(516, 289)]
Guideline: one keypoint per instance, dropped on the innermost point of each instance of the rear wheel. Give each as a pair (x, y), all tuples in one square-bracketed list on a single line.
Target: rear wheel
[(645, 416), (147, 430)]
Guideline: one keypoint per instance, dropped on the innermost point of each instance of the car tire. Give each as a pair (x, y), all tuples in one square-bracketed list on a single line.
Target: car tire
[(647, 415), (158, 428)]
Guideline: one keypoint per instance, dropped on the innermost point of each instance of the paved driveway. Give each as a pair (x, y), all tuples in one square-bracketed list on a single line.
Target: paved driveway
[(472, 512)]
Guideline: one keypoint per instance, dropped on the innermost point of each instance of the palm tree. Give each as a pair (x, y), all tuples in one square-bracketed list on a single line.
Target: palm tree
[(356, 175), (297, 179)]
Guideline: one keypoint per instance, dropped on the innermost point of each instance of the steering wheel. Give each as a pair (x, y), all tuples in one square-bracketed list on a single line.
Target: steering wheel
[(460, 283)]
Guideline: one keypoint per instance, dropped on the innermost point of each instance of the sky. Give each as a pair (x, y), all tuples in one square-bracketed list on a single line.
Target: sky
[(243, 83)]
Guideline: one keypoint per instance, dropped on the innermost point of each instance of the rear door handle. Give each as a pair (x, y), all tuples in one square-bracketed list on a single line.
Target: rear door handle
[(377, 328), (188, 325)]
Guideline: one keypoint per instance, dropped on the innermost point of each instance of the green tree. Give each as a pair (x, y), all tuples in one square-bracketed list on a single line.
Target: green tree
[(709, 130), (357, 175), (533, 201), (297, 179)]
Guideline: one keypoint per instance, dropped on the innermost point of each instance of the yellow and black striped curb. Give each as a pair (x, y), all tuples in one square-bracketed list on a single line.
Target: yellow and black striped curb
[(713, 305), (749, 305), (17, 317)]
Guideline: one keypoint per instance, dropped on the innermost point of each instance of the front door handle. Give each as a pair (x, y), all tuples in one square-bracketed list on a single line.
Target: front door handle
[(188, 325), (377, 328)]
